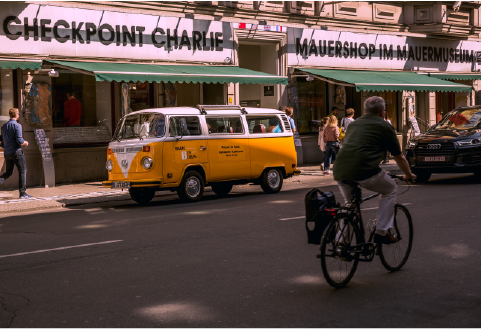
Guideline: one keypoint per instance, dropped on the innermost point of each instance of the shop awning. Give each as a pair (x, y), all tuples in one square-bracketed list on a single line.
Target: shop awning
[(455, 76), (21, 64), (386, 81), (173, 73)]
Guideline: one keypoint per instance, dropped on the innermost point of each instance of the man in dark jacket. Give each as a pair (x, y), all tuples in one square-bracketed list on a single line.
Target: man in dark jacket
[(12, 143)]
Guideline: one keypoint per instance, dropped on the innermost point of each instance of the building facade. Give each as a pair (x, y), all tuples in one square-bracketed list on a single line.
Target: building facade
[(118, 57)]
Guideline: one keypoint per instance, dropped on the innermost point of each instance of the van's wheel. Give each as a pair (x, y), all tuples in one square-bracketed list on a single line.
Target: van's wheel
[(221, 189), (422, 176), (271, 180), (191, 188), (141, 195)]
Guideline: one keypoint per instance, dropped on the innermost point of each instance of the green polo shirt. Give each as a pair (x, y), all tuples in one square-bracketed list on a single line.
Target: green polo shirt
[(364, 147)]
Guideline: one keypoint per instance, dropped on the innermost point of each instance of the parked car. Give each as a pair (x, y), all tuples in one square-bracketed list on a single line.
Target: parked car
[(451, 146)]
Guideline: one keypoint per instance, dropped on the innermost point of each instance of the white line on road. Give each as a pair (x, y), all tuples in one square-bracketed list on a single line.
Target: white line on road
[(61, 248), (293, 218)]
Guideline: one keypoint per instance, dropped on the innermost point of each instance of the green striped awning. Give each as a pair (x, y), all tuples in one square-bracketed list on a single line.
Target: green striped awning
[(387, 81), (173, 73), (21, 64), (456, 76)]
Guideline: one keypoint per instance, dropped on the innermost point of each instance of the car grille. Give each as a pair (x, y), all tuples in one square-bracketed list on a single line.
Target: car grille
[(446, 149)]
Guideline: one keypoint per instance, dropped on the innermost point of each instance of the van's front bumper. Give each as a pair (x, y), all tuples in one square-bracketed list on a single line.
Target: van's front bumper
[(134, 183)]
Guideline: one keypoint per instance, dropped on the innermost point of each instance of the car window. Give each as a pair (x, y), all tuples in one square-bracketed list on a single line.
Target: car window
[(461, 119), (224, 125), (141, 126), (264, 124), (185, 126)]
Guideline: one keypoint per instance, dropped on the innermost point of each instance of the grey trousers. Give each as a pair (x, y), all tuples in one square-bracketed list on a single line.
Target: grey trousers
[(383, 184)]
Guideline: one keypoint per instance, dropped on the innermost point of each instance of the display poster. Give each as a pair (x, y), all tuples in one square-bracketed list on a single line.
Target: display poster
[(47, 160), (414, 123)]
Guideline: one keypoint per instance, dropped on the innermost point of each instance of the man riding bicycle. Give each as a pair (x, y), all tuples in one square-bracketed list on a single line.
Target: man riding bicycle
[(363, 149)]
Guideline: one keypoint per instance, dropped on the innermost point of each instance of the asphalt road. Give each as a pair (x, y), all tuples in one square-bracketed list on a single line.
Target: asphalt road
[(239, 261)]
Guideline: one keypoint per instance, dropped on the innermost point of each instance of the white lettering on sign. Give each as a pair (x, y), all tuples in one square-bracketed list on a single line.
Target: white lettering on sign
[(375, 51), (52, 30)]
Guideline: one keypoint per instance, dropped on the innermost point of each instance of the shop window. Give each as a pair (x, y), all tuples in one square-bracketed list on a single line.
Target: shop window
[(392, 109), (81, 110), (312, 105), (6, 94), (264, 124), (225, 125), (140, 96), (213, 94), (185, 126)]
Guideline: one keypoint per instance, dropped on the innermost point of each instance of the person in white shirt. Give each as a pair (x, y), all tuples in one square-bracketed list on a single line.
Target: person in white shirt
[(320, 139)]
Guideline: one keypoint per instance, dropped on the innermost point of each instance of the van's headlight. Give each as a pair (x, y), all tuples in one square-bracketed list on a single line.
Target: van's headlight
[(109, 165), (147, 163), (410, 145)]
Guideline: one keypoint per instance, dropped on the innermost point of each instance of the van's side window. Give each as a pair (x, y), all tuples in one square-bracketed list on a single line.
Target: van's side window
[(185, 126), (264, 124), (225, 125)]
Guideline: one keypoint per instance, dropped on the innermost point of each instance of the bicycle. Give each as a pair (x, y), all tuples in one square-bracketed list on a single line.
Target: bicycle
[(343, 242)]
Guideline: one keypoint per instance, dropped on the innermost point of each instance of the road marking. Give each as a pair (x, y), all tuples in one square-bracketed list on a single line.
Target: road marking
[(61, 248), (404, 204), (293, 218)]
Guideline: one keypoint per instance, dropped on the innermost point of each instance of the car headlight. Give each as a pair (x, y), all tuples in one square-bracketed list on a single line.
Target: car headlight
[(109, 165), (410, 145), (469, 142), (147, 163)]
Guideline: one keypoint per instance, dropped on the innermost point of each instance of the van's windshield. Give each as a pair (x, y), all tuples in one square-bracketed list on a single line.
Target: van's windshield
[(142, 125), (461, 119)]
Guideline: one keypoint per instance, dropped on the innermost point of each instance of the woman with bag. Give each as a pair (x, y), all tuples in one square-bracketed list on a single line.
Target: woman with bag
[(320, 140), (331, 138)]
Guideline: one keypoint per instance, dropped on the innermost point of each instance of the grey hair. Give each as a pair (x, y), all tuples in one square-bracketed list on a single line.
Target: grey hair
[(374, 105)]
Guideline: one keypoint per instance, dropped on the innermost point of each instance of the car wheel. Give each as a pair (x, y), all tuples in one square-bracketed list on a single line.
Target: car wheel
[(141, 195), (422, 176), (272, 180), (191, 188), (221, 189)]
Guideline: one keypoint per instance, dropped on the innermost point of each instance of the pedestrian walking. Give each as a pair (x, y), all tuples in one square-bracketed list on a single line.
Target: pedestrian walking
[(289, 112), (320, 140), (334, 112), (331, 138), (345, 122), (14, 157)]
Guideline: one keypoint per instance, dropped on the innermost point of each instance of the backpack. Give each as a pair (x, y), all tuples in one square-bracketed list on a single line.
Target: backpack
[(316, 202)]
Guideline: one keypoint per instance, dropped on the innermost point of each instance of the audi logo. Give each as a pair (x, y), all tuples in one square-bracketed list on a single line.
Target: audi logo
[(434, 146)]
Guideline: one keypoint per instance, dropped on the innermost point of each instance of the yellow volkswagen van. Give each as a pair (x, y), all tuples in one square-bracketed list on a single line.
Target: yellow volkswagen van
[(184, 149)]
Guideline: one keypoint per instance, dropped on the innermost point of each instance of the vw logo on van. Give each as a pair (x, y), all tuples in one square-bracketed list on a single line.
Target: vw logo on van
[(434, 146), (124, 163)]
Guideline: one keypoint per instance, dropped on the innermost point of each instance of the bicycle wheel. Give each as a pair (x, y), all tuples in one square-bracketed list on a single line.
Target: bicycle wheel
[(394, 256), (338, 261)]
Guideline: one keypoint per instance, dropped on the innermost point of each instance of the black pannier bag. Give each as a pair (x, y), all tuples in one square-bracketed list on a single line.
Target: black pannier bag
[(317, 218)]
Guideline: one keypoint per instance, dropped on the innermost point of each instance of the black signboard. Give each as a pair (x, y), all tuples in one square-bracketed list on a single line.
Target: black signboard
[(268, 90), (47, 160)]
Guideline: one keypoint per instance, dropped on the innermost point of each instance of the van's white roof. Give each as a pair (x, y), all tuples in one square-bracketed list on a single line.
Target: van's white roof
[(195, 111)]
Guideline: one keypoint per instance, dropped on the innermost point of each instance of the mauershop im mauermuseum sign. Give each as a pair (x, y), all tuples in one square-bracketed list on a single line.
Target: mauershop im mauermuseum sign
[(317, 48)]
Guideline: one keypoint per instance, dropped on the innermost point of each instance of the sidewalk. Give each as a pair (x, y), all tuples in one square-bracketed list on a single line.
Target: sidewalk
[(65, 195)]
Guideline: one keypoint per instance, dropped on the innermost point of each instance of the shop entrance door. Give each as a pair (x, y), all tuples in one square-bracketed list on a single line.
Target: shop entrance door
[(259, 56), (444, 104)]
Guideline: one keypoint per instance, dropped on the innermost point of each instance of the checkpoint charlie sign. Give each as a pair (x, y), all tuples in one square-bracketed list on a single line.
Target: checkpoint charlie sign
[(52, 30), (309, 47)]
